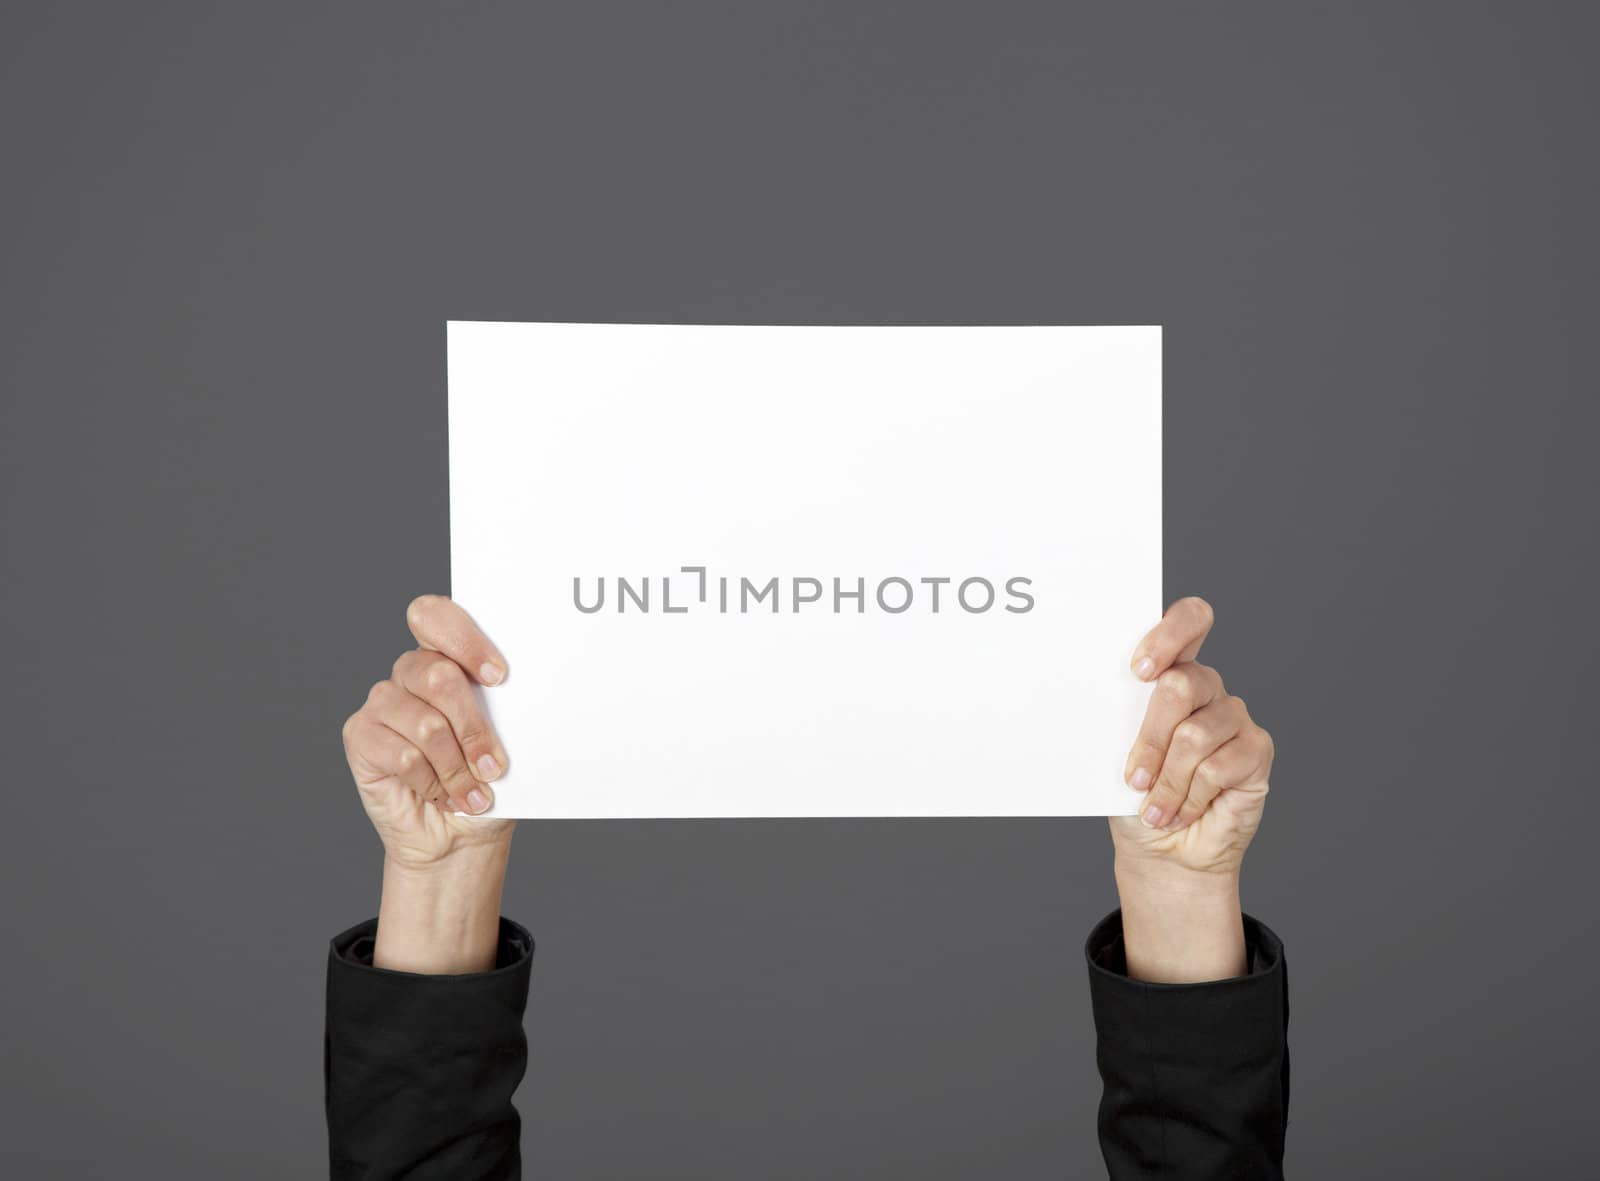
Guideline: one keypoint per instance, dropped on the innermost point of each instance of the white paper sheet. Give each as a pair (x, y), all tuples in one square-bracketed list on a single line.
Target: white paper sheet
[(681, 456)]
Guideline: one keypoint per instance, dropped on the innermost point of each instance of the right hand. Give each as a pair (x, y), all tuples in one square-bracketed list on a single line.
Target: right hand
[(422, 753)]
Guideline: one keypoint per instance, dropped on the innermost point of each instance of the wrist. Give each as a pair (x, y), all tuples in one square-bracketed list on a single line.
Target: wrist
[(442, 918), (1180, 926)]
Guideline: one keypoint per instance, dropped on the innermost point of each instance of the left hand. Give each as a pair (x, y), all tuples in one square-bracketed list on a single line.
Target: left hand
[(1200, 759)]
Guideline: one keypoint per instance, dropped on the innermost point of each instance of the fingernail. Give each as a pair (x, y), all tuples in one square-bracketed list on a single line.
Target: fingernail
[(1145, 668), (491, 673), (1141, 780), (487, 767), (1152, 816), (476, 801)]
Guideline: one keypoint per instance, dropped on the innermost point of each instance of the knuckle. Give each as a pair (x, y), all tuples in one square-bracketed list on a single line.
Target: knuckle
[(418, 610), (443, 675), (348, 730), (1210, 776), (1164, 797), (1189, 734), (408, 760), (1151, 746), (429, 726), (379, 691), (1166, 791), (1177, 685), (473, 735)]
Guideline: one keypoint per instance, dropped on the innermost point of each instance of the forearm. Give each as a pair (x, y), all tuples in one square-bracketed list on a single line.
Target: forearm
[(1180, 926), (443, 919)]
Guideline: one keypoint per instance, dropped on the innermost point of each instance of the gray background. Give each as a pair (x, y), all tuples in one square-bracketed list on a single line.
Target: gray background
[(231, 240)]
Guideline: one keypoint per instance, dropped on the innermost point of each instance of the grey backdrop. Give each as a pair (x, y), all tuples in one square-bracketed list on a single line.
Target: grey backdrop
[(231, 241)]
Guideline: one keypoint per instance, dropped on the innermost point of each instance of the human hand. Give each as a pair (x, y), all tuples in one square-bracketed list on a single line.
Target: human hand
[(1200, 759), (420, 749), (1203, 765), (423, 756)]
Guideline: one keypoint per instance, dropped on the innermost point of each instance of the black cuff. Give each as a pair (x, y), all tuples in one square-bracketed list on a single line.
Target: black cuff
[(1106, 951), (355, 946), (420, 1069), (1196, 1075)]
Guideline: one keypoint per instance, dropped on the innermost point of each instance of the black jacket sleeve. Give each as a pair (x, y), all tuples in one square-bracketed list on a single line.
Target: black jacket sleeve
[(1196, 1075), (419, 1070)]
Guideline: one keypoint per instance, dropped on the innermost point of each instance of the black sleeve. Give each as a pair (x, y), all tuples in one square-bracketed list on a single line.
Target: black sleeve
[(419, 1070), (1196, 1075)]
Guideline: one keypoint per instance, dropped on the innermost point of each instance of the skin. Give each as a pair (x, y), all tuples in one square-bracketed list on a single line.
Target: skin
[(1203, 766), (424, 759)]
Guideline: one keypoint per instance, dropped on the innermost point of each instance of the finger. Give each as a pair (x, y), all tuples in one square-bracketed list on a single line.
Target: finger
[(429, 731), (1178, 693), (439, 681), (1193, 742), (441, 625), (1238, 762), (1176, 639), (383, 754)]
